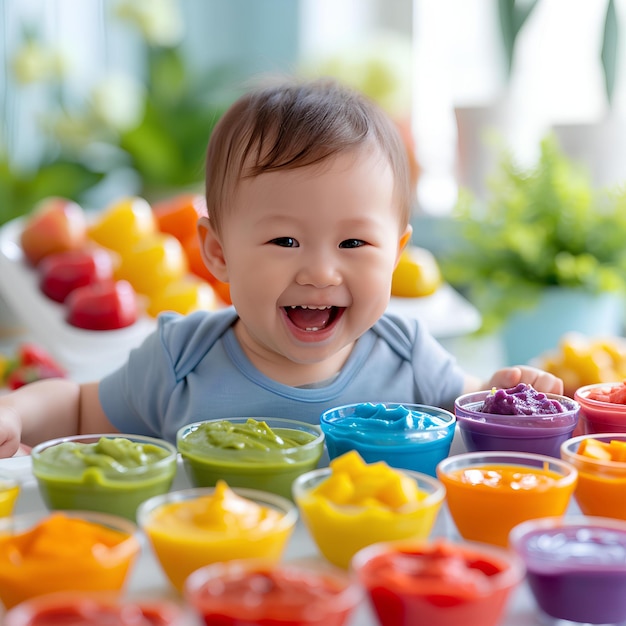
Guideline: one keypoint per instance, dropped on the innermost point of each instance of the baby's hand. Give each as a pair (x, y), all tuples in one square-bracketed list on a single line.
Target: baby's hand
[(10, 432), (539, 379)]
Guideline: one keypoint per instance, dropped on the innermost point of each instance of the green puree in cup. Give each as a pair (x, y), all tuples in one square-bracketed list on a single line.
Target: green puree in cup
[(266, 455), (103, 473)]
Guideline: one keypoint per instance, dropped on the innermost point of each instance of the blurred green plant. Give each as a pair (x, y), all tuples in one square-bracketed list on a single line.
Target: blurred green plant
[(158, 130), (541, 226)]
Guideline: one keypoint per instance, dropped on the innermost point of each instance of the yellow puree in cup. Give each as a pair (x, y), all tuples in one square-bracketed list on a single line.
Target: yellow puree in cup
[(188, 534), (360, 504)]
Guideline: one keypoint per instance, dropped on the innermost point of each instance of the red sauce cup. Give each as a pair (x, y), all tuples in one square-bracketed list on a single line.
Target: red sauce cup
[(438, 583), (93, 609), (598, 416), (257, 593)]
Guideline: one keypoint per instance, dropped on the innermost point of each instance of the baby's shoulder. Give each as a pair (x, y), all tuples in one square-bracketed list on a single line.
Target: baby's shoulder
[(187, 338), (400, 332)]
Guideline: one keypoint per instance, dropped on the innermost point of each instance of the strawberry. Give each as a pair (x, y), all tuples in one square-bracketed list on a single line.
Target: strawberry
[(25, 374), (32, 355)]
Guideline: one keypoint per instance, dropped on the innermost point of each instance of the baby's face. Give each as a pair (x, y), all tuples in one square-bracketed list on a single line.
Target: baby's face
[(310, 253)]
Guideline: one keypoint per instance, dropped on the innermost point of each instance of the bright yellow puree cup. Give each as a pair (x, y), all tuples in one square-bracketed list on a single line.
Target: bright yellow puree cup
[(190, 528)]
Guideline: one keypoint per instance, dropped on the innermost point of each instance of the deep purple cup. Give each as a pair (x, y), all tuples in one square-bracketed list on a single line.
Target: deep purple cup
[(575, 567), (538, 434)]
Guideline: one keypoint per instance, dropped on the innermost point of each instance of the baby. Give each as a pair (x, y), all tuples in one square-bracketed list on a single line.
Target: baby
[(309, 201)]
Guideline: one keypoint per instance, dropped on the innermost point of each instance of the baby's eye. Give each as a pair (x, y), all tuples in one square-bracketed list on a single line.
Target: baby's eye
[(285, 242), (352, 243)]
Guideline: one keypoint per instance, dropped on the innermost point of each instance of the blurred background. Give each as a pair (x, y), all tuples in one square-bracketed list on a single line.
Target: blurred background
[(106, 96), (513, 114)]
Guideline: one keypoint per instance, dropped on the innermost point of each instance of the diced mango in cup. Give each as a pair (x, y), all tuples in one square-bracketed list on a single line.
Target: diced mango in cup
[(613, 450), (359, 504), (355, 482)]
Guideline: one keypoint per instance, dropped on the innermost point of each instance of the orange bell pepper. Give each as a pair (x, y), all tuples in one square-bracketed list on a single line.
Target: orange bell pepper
[(178, 216)]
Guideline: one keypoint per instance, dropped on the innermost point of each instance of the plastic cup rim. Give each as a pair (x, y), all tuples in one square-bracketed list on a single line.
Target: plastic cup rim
[(424, 408), (436, 496), (345, 599), (313, 428), (172, 456), (288, 509), (512, 458), (581, 458), (519, 532), (117, 522), (572, 404), (508, 578), (582, 393)]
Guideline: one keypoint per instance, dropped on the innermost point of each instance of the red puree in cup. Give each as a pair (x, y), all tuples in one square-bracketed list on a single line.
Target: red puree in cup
[(439, 583), (615, 394), (602, 407), (67, 609), (248, 593)]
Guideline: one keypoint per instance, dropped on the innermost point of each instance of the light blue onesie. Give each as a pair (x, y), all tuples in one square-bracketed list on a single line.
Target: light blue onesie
[(192, 368)]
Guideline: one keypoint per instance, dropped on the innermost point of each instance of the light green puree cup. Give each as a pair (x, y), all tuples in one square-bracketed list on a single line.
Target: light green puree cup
[(268, 454), (111, 473)]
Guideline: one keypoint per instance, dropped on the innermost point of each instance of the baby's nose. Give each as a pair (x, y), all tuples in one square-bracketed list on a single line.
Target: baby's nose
[(319, 271)]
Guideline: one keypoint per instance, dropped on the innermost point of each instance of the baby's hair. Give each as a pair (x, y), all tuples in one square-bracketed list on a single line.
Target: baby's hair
[(294, 124)]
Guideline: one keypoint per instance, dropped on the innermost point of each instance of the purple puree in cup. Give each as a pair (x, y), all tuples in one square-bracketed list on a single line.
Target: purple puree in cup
[(578, 572), (519, 419), (520, 400)]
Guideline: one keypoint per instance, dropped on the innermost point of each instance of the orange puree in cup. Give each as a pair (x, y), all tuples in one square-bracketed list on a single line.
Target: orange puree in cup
[(63, 552), (601, 463), (486, 501)]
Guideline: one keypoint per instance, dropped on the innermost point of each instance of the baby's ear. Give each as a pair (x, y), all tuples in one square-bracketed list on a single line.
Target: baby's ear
[(211, 250), (404, 240)]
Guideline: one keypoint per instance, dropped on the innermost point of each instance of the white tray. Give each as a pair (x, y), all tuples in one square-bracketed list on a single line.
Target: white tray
[(147, 580), (446, 312), (77, 349)]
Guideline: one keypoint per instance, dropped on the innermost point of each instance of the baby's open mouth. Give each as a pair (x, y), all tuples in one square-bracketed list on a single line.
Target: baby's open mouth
[(312, 318)]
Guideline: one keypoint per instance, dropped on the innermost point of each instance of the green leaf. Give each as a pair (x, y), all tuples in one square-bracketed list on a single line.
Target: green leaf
[(610, 49), (513, 14)]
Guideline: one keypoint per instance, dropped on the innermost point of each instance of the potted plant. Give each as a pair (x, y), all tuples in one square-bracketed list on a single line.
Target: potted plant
[(542, 235)]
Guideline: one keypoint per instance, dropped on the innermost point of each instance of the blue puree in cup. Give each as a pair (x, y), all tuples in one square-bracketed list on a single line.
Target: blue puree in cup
[(406, 436)]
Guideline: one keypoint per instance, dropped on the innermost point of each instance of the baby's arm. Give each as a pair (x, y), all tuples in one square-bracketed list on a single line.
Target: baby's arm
[(511, 376), (47, 409)]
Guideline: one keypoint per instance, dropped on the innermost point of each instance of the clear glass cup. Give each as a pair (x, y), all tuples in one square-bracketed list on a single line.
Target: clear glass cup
[(271, 469), (488, 493), (107, 483), (190, 528), (339, 531)]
